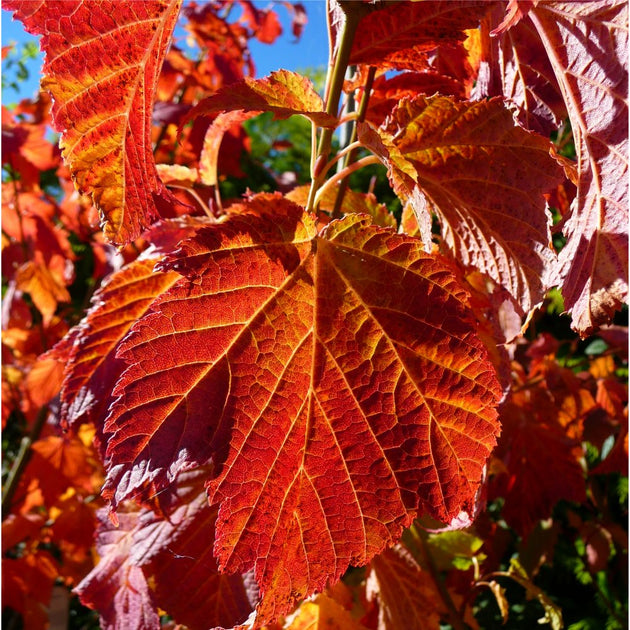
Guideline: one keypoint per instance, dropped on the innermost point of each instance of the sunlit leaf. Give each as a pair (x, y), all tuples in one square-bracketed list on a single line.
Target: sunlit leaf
[(101, 67), (593, 265), (92, 367), (283, 92), (318, 367), (484, 176), (322, 613)]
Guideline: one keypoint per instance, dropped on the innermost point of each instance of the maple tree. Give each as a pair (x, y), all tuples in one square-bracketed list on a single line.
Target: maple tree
[(318, 398)]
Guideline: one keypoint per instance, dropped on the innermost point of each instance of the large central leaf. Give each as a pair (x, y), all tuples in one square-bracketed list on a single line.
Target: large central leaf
[(343, 380)]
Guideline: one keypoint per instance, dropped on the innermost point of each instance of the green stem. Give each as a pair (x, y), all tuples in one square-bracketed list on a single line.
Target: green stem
[(365, 99), (337, 77), (21, 460)]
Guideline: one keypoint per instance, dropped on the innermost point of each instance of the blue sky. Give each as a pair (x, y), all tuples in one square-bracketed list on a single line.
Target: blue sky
[(310, 51)]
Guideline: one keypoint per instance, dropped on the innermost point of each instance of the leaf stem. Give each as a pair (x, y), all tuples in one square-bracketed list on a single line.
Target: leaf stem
[(23, 456), (193, 193), (343, 175), (367, 88), (334, 89)]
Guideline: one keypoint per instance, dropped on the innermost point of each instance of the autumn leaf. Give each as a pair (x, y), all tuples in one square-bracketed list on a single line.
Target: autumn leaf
[(322, 613), (541, 457), (299, 363), (147, 559), (208, 161), (283, 92), (407, 596), (45, 290), (353, 202), (101, 66), (483, 175), (117, 587), (593, 265), (92, 367), (516, 66), (388, 91), (398, 36)]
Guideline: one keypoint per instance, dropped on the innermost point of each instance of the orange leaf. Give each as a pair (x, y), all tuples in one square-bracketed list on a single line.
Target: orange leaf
[(44, 289), (208, 161), (102, 63), (312, 365), (283, 92), (484, 177), (322, 613)]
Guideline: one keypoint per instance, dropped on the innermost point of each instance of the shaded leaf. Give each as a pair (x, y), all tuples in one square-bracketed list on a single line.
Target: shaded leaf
[(406, 595), (148, 558), (587, 44), (283, 92), (454, 549), (484, 177), (117, 587), (553, 614), (397, 36), (101, 66), (318, 378), (177, 549), (516, 66)]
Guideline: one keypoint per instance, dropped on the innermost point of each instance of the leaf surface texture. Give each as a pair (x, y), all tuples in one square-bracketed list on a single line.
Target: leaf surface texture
[(335, 377), (101, 68)]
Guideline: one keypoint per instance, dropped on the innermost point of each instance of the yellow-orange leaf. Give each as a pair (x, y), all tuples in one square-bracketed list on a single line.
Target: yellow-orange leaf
[(102, 63)]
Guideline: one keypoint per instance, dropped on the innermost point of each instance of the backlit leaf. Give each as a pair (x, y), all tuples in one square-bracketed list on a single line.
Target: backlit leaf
[(587, 44), (484, 176), (92, 367), (283, 92), (208, 161), (101, 66), (322, 613), (334, 377)]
